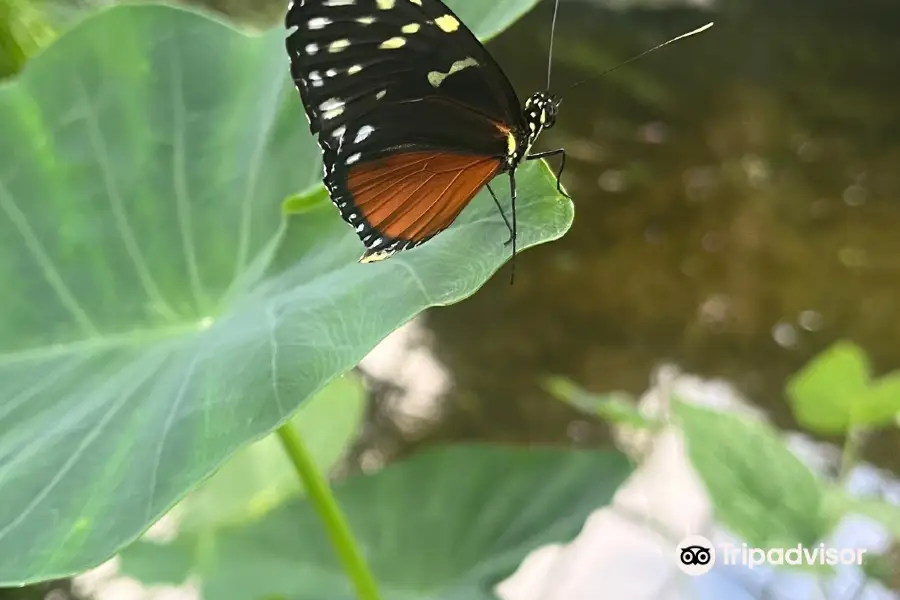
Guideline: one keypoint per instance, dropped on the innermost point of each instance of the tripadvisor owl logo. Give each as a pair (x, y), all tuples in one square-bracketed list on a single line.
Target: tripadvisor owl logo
[(695, 555)]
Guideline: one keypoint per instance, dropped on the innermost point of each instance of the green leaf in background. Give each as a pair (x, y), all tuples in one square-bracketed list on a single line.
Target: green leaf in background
[(759, 489), (145, 331), (822, 393), (617, 408), (882, 405), (297, 204), (833, 393), (153, 563), (446, 524), (839, 503), (24, 29), (260, 477)]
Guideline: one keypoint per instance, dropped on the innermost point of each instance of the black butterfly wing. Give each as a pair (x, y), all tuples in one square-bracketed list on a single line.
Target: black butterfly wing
[(412, 114)]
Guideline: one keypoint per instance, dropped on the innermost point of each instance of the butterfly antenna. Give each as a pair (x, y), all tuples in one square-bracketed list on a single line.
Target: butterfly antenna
[(552, 37), (645, 53)]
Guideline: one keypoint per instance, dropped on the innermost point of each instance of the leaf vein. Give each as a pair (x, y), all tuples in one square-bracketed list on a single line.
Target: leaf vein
[(43, 259), (86, 441), (179, 182), (274, 97), (415, 278), (272, 321), (167, 428), (115, 201)]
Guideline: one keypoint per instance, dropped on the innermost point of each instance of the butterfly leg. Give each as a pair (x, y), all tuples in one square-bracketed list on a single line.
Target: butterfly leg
[(502, 214), (562, 165), (512, 195)]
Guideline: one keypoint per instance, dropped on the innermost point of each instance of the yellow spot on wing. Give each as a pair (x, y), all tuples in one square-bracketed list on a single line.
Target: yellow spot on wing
[(375, 256), (447, 23), (385, 4), (411, 28), (511, 144), (436, 78), (338, 45), (393, 43), (419, 2)]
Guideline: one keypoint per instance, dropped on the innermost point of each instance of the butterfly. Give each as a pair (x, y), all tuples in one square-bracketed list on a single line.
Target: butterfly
[(412, 114)]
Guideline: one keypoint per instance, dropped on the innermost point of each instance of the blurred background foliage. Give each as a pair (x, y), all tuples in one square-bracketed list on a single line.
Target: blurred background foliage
[(737, 213)]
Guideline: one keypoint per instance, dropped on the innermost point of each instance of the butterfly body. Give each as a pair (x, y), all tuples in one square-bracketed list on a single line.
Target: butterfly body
[(539, 113), (412, 114)]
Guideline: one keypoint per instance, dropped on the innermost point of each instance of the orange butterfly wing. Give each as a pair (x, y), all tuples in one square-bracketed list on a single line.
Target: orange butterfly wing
[(413, 196)]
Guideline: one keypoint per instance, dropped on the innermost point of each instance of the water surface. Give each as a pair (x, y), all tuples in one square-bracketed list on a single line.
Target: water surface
[(737, 210)]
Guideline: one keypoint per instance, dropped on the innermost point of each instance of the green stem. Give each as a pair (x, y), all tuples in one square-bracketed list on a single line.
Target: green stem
[(850, 453), (333, 519)]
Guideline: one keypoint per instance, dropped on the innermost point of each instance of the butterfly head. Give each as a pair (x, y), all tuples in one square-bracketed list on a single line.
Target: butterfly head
[(540, 111)]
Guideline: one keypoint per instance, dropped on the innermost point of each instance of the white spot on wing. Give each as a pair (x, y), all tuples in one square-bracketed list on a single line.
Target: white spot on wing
[(318, 22), (354, 69), (331, 104), (353, 158), (312, 48), (365, 20), (364, 132), (339, 132)]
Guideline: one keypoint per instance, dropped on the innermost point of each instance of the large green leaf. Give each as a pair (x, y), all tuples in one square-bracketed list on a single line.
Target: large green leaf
[(759, 489), (446, 524), (145, 333)]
